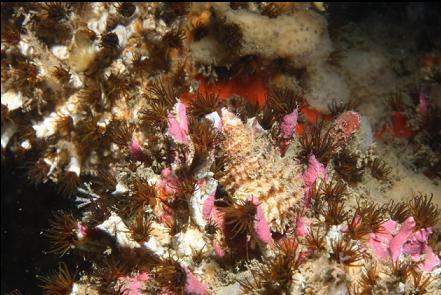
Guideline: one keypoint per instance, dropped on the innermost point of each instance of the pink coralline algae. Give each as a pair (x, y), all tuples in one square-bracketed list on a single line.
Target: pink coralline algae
[(416, 246), (193, 285), (133, 285), (379, 242), (82, 230), (261, 227), (168, 182), (178, 124), (218, 250), (302, 226), (288, 125), (387, 244), (287, 129), (345, 125), (136, 152), (315, 170), (208, 207), (397, 242), (209, 211), (431, 260)]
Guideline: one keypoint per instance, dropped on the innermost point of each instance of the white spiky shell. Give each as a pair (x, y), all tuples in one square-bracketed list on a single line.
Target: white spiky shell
[(255, 167)]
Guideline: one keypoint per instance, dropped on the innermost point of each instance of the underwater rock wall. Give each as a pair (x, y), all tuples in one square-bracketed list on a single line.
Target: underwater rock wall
[(223, 148)]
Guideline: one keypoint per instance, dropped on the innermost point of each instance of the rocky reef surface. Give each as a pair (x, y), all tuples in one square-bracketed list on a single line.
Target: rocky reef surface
[(225, 148)]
